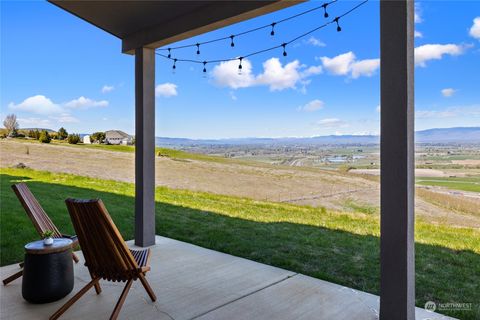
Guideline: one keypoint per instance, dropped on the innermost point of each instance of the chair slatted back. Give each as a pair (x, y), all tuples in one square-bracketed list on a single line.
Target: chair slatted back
[(106, 254), (34, 210)]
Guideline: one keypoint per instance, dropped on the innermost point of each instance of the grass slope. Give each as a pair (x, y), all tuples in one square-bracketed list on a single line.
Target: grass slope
[(338, 247)]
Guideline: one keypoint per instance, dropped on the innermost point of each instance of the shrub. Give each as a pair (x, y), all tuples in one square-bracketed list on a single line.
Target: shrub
[(97, 137), (73, 138), (44, 137), (62, 134)]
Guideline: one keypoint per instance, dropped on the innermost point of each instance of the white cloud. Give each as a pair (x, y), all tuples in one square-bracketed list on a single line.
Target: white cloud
[(226, 74), (448, 92), (418, 13), (331, 123), (313, 105), (424, 114), (232, 95), (315, 42), (365, 67), (38, 104), (418, 34), (312, 70), (450, 112), (166, 90), (85, 103), (107, 88), (475, 29), (275, 75), (279, 77), (436, 52), (33, 122), (347, 64), (65, 118), (339, 65)]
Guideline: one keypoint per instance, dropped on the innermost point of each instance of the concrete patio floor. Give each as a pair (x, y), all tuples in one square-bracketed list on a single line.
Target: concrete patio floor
[(197, 283)]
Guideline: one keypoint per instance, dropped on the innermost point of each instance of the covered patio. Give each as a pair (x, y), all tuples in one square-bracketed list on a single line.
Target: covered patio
[(192, 282), (197, 283)]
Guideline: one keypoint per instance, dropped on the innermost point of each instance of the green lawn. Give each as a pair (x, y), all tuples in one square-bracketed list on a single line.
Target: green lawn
[(456, 183), (334, 246)]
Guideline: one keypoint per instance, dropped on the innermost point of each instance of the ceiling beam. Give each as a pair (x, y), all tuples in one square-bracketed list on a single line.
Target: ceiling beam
[(208, 18)]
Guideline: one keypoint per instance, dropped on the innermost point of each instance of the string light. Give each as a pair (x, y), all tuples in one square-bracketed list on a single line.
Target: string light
[(325, 13), (232, 44), (272, 33), (169, 53), (240, 65), (240, 59), (338, 26), (270, 25)]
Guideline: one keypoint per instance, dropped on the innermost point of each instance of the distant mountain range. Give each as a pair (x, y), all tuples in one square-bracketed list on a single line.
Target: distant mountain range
[(440, 135)]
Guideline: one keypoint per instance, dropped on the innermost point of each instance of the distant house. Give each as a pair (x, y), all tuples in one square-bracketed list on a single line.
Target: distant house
[(117, 137), (86, 139)]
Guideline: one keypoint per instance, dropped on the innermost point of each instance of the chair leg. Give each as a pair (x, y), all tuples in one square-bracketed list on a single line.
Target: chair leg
[(98, 289), (147, 287), (12, 277), (121, 300), (75, 257), (77, 296)]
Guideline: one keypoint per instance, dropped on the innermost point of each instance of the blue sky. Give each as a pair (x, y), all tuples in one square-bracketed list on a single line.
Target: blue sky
[(57, 70)]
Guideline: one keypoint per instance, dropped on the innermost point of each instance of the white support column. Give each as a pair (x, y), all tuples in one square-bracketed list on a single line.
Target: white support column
[(144, 147)]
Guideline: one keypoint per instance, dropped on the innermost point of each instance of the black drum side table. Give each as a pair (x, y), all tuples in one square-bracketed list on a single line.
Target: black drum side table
[(48, 271)]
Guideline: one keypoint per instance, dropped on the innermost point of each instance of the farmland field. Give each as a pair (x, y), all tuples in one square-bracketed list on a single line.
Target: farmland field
[(456, 183)]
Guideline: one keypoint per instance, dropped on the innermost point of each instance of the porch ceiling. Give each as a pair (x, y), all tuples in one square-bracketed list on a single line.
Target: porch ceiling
[(153, 24)]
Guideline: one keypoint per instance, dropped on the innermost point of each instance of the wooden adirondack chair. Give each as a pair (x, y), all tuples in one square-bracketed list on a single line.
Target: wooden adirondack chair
[(105, 252), (40, 221)]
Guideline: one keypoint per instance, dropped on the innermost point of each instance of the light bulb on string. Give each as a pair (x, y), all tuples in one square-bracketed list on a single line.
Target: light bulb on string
[(284, 50), (232, 44), (204, 68), (174, 67), (198, 48), (272, 33), (169, 53), (240, 66), (325, 13), (338, 26)]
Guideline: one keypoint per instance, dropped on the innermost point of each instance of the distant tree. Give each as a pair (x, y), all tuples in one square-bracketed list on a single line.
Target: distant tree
[(11, 124), (44, 137), (73, 138), (98, 137), (62, 134), (31, 134), (37, 134)]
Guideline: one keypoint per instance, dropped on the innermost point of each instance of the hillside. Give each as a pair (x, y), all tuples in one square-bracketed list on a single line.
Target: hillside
[(439, 135), (259, 181)]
